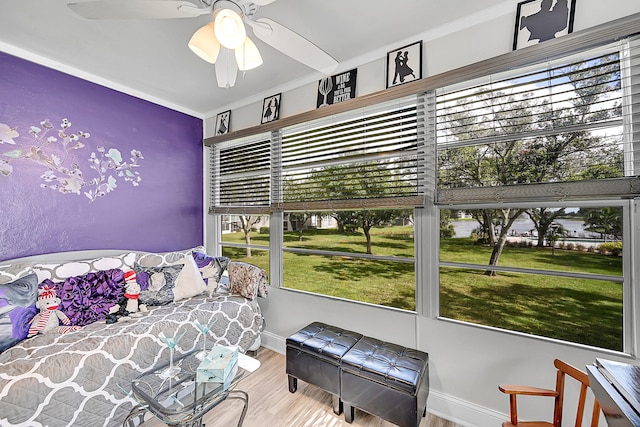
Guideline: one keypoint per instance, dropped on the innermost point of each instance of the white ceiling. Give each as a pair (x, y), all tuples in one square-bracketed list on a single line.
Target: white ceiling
[(150, 58)]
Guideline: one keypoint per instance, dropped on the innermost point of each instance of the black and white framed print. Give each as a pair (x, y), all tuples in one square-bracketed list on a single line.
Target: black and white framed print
[(271, 109), (541, 20), (222, 122), (337, 88), (404, 65)]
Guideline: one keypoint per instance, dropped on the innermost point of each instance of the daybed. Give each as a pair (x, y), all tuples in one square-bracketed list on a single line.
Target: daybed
[(80, 378)]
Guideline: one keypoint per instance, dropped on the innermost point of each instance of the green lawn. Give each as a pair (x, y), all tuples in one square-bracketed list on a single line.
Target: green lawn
[(577, 310)]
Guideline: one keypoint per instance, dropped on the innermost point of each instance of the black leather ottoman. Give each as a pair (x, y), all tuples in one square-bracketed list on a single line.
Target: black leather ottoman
[(313, 355), (386, 380)]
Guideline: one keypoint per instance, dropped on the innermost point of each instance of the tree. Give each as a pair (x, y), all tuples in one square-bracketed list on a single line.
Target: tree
[(361, 181), (606, 221), (246, 224), (542, 220), (522, 144), (301, 219), (554, 232), (446, 228)]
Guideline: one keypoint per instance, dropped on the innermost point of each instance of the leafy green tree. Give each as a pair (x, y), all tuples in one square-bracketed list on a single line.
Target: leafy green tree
[(543, 219), (246, 224), (509, 158), (360, 181), (446, 228), (554, 233), (606, 221)]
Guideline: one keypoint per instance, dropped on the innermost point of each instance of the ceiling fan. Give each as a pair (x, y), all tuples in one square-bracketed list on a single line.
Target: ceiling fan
[(223, 38)]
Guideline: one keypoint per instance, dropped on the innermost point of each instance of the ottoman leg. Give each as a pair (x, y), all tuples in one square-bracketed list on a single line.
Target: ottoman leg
[(293, 384), (337, 404), (348, 413)]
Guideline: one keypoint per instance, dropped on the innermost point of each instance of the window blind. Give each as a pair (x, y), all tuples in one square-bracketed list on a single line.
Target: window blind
[(363, 159), (241, 176), (535, 133)]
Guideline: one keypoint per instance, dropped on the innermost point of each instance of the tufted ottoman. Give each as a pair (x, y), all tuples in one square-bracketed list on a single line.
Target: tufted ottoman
[(386, 380), (313, 355)]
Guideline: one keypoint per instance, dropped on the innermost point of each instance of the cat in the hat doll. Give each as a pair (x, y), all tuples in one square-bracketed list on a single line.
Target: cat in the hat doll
[(49, 318)]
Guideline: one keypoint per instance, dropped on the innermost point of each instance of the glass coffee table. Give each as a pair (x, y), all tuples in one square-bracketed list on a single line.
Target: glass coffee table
[(180, 400)]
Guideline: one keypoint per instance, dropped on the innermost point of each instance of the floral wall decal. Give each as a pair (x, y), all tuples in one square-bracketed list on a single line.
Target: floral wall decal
[(53, 149), (85, 167)]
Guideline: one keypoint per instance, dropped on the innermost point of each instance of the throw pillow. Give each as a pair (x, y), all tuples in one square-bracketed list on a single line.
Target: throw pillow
[(17, 308), (12, 272), (156, 283), (212, 269), (189, 282), (247, 280), (59, 271), (88, 298)]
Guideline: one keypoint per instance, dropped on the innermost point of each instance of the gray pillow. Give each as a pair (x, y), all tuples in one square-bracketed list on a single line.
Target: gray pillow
[(157, 283)]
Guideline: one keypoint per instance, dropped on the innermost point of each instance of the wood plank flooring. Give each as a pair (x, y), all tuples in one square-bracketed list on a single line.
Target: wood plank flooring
[(271, 404)]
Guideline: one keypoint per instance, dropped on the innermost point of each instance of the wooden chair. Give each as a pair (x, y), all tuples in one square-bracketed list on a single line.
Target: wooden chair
[(558, 394)]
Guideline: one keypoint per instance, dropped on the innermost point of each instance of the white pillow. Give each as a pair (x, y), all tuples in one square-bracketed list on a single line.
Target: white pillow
[(189, 282)]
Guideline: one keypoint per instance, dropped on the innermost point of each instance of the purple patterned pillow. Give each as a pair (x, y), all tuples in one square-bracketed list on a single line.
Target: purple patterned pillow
[(89, 297)]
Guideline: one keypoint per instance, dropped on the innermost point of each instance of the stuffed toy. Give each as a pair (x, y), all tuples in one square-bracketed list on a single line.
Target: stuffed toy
[(129, 306), (49, 318)]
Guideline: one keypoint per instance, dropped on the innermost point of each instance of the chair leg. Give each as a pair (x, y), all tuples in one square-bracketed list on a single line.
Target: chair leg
[(348, 413), (293, 384), (337, 404)]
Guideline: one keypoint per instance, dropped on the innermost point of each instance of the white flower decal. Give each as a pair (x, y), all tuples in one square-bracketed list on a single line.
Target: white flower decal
[(54, 153), (7, 134)]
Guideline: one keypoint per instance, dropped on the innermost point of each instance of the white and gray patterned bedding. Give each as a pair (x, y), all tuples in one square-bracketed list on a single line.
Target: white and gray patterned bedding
[(74, 379)]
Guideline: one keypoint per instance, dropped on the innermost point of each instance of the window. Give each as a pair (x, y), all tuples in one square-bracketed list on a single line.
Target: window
[(240, 196), (531, 173), (340, 192), (357, 176)]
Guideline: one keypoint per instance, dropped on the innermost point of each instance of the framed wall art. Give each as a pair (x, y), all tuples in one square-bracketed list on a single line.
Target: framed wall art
[(404, 65), (222, 122), (541, 20), (270, 109), (337, 88)]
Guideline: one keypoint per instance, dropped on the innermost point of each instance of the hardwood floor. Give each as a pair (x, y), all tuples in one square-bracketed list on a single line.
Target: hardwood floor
[(271, 404)]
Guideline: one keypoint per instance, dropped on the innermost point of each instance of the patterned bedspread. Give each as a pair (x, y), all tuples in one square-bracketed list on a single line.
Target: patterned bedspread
[(75, 379)]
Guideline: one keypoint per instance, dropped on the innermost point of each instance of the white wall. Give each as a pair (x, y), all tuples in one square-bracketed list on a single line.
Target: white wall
[(466, 362)]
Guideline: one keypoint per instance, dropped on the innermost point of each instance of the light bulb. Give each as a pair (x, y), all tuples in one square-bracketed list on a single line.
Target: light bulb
[(229, 28)]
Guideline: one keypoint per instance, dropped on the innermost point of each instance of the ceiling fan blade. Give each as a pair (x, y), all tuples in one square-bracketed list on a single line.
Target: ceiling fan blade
[(137, 9), (262, 2), (226, 68), (292, 44)]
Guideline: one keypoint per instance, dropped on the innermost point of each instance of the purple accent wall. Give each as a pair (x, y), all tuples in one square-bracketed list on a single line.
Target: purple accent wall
[(149, 168)]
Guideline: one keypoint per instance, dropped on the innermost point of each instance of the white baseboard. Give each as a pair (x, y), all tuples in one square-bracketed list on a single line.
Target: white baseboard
[(459, 411), (273, 342), (462, 412)]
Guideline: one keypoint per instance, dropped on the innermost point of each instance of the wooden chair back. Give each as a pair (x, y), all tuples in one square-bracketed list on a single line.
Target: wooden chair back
[(565, 369)]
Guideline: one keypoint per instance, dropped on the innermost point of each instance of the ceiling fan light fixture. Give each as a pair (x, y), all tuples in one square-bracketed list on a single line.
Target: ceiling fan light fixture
[(204, 43), (247, 56), (229, 28)]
